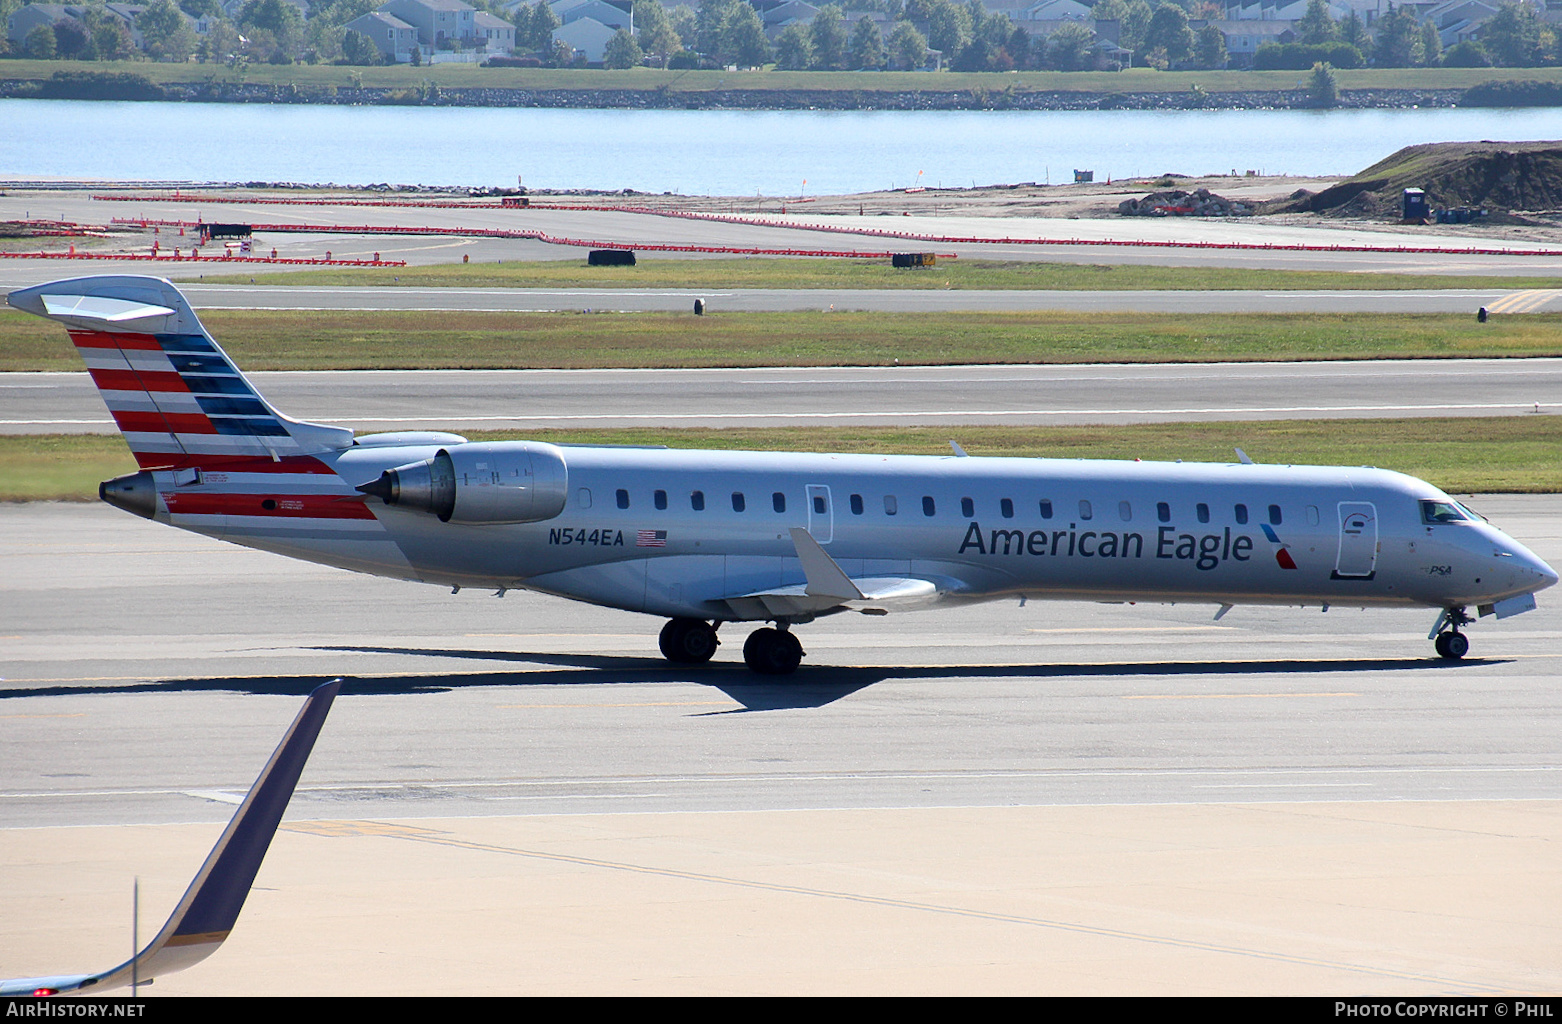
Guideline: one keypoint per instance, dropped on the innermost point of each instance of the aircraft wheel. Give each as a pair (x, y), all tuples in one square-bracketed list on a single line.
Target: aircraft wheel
[(1451, 645), (688, 641), (771, 652)]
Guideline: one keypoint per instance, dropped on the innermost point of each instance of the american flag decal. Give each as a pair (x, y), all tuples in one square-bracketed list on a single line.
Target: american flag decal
[(651, 539)]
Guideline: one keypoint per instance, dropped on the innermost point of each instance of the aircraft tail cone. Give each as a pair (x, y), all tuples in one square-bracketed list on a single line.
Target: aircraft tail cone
[(134, 493), (384, 488)]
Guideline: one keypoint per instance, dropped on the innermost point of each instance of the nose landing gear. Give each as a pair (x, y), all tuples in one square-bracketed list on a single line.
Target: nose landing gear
[(1450, 643)]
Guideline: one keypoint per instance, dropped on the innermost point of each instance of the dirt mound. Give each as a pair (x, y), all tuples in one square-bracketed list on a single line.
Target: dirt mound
[(1177, 203), (1499, 176)]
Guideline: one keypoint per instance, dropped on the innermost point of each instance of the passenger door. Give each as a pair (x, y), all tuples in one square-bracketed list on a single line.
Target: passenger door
[(1358, 555)]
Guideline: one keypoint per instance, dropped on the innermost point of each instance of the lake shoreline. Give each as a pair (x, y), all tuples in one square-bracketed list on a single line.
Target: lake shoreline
[(433, 95)]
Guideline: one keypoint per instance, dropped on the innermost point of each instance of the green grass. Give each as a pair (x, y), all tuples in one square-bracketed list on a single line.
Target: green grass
[(794, 274), (347, 339), (324, 77), (1492, 454)]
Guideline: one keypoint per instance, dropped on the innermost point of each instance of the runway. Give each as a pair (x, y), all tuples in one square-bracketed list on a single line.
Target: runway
[(517, 796), (932, 300), (1031, 395)]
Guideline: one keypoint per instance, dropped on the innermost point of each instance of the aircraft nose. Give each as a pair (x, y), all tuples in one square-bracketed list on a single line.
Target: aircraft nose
[(1546, 575)]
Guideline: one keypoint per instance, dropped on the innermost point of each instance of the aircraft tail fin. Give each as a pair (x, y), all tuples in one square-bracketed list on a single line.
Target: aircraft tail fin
[(176, 396)]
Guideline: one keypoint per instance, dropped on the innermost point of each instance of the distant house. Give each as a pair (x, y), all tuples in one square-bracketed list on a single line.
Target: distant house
[(615, 14), (440, 23), (25, 19), (1243, 38), (394, 38), (1055, 11), (586, 36), (493, 34)]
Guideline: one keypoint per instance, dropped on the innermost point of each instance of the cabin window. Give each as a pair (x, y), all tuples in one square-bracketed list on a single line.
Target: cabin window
[(856, 504), (623, 498), (659, 499), (1163, 511), (738, 504), (1085, 511), (1125, 511), (1046, 509), (891, 506), (1312, 515), (1241, 513), (818, 504), (778, 501), (583, 498), (928, 508), (1006, 508), (697, 501), (1274, 515), (1202, 511), (968, 508)]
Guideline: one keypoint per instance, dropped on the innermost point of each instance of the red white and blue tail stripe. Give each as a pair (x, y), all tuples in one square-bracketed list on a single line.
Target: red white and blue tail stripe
[(174, 393)]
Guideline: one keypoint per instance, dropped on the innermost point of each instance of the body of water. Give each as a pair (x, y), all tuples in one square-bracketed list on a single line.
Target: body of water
[(776, 153)]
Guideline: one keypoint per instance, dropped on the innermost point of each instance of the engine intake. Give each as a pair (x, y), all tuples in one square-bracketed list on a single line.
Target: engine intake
[(497, 482)]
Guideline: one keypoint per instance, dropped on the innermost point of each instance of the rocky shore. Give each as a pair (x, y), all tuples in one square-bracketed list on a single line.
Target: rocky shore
[(427, 94)]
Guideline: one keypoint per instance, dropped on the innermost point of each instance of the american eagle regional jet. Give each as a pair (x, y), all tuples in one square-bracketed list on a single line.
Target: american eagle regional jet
[(704, 538)]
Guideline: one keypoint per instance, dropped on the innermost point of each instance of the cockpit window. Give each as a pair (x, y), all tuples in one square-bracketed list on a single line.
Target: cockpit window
[(1435, 512)]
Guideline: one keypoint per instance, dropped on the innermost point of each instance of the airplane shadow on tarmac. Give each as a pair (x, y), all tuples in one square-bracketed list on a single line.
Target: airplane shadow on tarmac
[(813, 686)]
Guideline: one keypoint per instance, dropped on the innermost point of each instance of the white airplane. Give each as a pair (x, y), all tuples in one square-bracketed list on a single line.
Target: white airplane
[(209, 908), (704, 538)]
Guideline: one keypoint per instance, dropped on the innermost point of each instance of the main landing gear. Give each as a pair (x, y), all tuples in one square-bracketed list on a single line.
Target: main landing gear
[(1450, 643), (689, 641), (770, 652)]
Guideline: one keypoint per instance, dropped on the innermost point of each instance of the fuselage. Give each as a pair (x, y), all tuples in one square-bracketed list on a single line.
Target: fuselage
[(682, 533)]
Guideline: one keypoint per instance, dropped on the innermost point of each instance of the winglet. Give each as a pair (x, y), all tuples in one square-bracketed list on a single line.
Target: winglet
[(825, 578), (211, 905), (959, 451), (1242, 458)]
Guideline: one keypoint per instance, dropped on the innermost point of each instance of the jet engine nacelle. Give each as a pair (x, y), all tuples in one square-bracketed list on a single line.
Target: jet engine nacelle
[(497, 482)]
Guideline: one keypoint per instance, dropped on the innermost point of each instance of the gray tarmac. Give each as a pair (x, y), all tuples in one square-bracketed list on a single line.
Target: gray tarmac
[(952, 396), (931, 300), (517, 796)]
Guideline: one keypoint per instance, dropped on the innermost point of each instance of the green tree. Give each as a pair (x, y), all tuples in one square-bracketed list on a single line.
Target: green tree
[(657, 36), (359, 50), (221, 41), (1169, 31), (71, 39), (1398, 39), (867, 46), (1352, 31), (167, 32), (40, 44), (1070, 48), (622, 51), (907, 47), (1467, 54), (1515, 37), (1317, 26), (280, 20), (1322, 90), (743, 37), (1210, 51), (829, 39), (948, 28), (794, 49), (1431, 45), (543, 23)]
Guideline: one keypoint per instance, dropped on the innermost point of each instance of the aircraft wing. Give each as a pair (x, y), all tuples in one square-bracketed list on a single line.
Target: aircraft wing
[(829, 587), (206, 913)]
